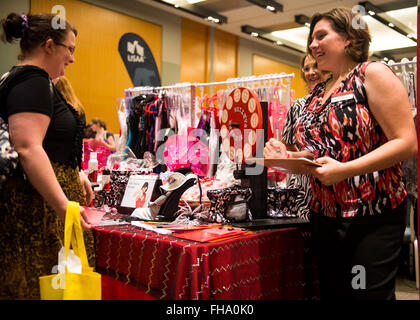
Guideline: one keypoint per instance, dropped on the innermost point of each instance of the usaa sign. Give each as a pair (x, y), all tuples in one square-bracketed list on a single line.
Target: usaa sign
[(138, 60)]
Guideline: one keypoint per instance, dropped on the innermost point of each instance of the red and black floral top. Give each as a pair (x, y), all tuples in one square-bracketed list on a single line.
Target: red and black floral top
[(344, 129)]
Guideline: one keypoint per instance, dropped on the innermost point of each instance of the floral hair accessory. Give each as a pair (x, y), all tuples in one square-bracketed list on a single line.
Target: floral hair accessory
[(24, 23)]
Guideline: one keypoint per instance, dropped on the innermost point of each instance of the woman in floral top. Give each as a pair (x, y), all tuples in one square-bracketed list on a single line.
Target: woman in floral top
[(358, 125)]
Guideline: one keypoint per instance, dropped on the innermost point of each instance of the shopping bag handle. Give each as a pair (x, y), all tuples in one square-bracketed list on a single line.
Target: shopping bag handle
[(73, 234)]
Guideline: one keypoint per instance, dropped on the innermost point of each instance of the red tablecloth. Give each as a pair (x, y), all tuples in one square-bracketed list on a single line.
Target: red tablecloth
[(139, 264)]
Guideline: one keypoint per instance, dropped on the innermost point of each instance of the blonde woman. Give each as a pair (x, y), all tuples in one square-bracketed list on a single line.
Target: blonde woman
[(64, 86)]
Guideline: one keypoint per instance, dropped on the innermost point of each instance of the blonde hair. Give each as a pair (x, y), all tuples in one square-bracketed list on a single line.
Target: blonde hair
[(64, 86)]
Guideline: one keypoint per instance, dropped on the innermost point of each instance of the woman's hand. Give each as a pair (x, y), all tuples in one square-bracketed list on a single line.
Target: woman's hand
[(83, 219), (275, 149), (331, 172), (86, 186)]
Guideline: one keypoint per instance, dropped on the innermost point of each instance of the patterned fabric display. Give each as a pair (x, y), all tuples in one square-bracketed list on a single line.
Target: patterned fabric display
[(113, 198), (224, 201), (8, 156), (282, 202)]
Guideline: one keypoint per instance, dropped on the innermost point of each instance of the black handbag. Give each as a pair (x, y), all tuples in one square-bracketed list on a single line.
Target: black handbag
[(281, 202), (8, 156), (229, 204)]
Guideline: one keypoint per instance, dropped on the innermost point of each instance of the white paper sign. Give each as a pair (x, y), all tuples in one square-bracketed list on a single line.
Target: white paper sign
[(138, 191)]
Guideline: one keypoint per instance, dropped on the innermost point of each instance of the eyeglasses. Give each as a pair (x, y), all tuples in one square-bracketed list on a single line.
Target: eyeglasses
[(71, 49), (306, 69)]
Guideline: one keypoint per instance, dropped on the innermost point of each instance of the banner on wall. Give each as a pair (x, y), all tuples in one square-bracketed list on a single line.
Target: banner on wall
[(138, 60)]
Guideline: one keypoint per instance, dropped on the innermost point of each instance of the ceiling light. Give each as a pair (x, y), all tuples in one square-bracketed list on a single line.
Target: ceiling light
[(269, 37), (215, 20), (303, 20), (196, 10), (269, 5), (194, 1), (386, 19), (296, 37), (386, 38)]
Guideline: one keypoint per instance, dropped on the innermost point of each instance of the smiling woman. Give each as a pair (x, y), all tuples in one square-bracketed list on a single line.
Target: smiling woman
[(358, 125), (357, 40), (365, 131), (47, 134)]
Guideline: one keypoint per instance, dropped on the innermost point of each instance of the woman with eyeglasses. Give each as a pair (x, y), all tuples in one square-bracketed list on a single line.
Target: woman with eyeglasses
[(358, 125), (46, 132), (312, 76)]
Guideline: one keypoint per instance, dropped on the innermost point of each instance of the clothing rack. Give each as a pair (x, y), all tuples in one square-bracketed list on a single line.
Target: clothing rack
[(406, 70), (193, 86), (403, 62), (175, 87), (410, 165), (274, 76), (250, 79), (148, 89)]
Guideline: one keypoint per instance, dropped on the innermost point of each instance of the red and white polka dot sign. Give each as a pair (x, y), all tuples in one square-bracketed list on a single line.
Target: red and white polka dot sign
[(241, 118)]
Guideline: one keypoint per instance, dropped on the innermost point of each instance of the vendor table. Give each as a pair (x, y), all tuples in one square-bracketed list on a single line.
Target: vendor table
[(269, 264)]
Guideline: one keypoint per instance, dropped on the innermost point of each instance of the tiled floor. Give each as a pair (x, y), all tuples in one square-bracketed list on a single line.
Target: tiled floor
[(405, 289)]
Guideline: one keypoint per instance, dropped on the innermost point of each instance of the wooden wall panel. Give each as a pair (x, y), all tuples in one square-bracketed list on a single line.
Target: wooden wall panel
[(99, 76), (194, 51), (263, 65), (225, 56)]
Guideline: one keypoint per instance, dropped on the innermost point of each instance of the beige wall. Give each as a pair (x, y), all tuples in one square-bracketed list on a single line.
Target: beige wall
[(9, 52)]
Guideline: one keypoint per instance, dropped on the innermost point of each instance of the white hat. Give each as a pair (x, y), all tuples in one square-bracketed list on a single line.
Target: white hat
[(176, 180)]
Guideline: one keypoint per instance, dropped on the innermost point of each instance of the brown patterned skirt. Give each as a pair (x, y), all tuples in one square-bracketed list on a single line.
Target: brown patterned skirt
[(31, 234)]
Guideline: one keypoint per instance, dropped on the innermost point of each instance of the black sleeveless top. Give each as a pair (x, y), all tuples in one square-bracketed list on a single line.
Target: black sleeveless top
[(29, 89)]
